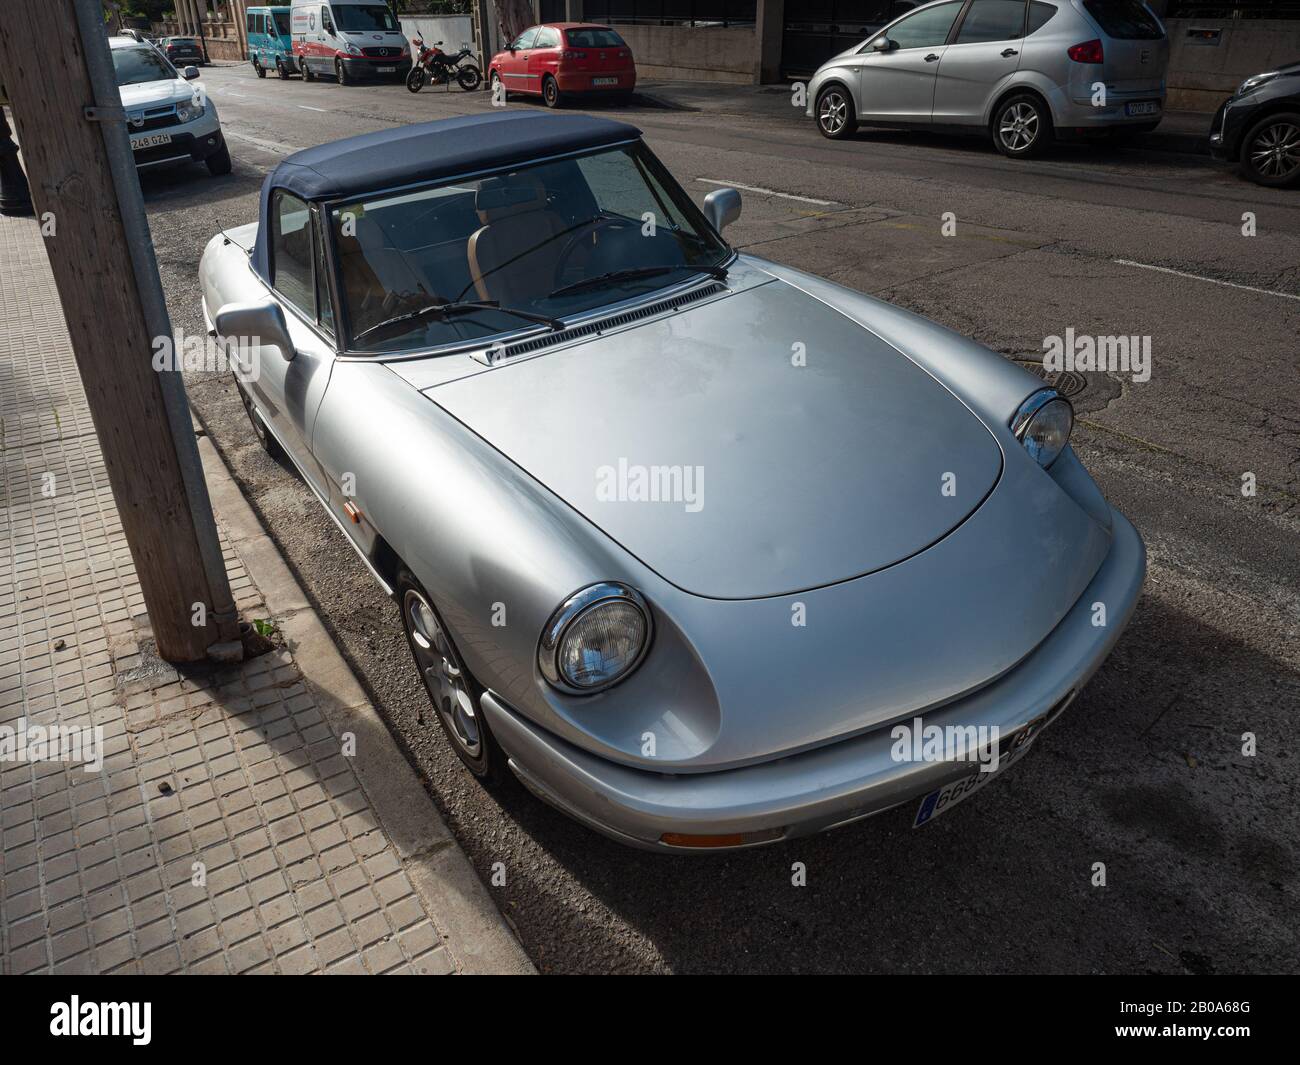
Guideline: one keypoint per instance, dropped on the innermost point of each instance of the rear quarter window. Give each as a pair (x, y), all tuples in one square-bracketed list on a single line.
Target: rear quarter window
[(1125, 20), (1039, 15)]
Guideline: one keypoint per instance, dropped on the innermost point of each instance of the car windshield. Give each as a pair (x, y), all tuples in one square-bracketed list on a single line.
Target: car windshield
[(134, 66), (594, 38), (550, 239), (358, 18), (281, 23)]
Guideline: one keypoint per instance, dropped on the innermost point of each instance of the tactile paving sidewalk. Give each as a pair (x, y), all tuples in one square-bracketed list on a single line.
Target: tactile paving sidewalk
[(237, 770)]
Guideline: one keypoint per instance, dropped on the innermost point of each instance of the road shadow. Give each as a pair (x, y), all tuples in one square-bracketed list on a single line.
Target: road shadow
[(1143, 774)]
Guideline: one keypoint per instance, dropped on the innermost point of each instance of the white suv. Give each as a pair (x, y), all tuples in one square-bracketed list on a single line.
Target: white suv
[(169, 121)]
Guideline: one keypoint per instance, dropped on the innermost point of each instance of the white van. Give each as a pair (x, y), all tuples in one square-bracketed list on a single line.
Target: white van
[(348, 40)]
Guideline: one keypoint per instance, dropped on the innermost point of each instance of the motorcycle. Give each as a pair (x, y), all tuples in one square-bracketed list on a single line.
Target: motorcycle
[(434, 65)]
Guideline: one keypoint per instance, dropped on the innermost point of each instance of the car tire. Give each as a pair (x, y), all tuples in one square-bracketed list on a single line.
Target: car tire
[(269, 443), (281, 70), (836, 116), (494, 81), (1270, 151), (219, 161), (451, 688), (551, 92), (341, 74), (261, 70), (1021, 127)]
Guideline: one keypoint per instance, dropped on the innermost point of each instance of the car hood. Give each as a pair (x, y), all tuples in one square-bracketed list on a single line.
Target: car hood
[(151, 93), (756, 445)]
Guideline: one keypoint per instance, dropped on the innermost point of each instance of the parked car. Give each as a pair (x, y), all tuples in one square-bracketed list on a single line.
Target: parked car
[(183, 50), (1258, 128), (1024, 71), (507, 393), (270, 44), (559, 60), (168, 123), (348, 41)]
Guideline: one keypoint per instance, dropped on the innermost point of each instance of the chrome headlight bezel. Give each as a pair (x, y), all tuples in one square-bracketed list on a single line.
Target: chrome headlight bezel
[(578, 605), (1034, 407)]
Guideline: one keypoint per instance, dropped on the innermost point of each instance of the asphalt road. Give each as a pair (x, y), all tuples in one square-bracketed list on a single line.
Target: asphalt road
[(1145, 773)]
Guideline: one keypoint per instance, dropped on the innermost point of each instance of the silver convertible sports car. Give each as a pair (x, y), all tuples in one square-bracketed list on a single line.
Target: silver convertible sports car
[(708, 551)]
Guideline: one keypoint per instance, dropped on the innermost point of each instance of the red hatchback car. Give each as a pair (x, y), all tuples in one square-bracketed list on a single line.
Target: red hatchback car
[(562, 59)]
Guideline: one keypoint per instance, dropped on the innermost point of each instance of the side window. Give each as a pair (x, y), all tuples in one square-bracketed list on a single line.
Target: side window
[(248, 22), (525, 39), (547, 38), (322, 277), (992, 20), (926, 29), (1038, 16), (291, 252), (326, 22)]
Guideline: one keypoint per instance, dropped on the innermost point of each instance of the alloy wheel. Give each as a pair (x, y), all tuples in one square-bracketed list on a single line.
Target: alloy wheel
[(833, 112), (1018, 127), (1275, 151), (444, 675)]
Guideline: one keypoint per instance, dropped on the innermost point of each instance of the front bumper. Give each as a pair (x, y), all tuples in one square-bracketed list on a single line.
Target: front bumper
[(831, 785), (365, 67), (191, 142)]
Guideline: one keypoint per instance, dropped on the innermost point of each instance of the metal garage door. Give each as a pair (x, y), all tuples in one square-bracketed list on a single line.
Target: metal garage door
[(815, 30)]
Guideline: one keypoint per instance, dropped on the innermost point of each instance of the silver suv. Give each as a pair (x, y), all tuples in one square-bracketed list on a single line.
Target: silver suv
[(1024, 70)]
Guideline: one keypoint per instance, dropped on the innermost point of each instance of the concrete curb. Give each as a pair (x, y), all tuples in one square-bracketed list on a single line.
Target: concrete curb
[(473, 929)]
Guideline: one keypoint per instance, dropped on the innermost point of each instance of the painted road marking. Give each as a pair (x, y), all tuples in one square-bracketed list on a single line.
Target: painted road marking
[(1211, 280), (770, 192)]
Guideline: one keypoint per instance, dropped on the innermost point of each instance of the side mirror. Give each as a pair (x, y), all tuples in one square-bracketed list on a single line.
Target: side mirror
[(190, 73), (261, 322), (882, 44), (722, 207)]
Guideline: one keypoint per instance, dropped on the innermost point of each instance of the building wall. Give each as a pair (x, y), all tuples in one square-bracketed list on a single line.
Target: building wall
[(1202, 76), (455, 31), (726, 54)]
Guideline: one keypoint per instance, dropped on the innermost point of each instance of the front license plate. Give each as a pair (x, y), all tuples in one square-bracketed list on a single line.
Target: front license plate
[(604, 81), (151, 141), (943, 800), (1145, 107), (387, 70)]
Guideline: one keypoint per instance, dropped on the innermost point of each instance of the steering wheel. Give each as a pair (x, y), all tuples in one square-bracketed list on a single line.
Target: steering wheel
[(588, 229)]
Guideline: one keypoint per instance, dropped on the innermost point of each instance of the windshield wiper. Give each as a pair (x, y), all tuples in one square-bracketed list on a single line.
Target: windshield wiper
[(614, 276), (446, 310)]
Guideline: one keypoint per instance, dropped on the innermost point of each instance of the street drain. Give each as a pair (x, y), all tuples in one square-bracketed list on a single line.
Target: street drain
[(1069, 383), (1087, 392)]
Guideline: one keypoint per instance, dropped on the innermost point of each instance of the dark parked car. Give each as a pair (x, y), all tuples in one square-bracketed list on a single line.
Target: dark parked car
[(1258, 128), (183, 50)]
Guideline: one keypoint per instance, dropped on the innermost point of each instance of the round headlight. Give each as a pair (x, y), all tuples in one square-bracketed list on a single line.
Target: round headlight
[(595, 639), (1043, 425)]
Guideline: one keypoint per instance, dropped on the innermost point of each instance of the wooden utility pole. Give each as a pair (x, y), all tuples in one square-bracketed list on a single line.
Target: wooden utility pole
[(57, 71)]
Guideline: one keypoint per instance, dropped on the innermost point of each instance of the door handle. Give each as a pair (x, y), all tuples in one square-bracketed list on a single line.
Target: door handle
[(931, 57), (1007, 53)]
